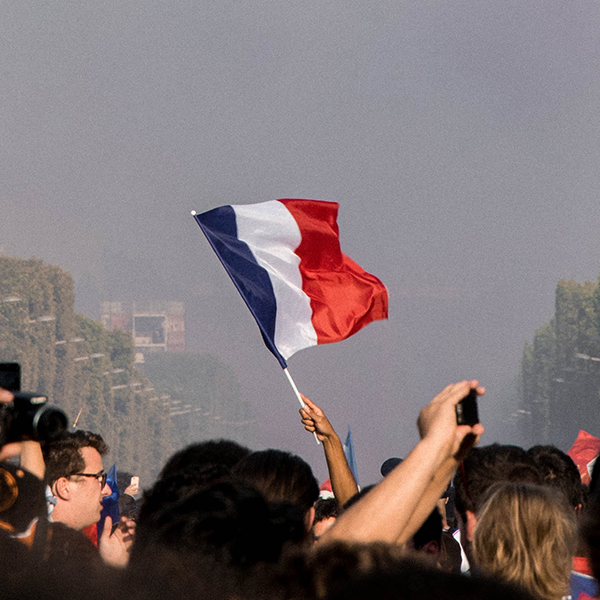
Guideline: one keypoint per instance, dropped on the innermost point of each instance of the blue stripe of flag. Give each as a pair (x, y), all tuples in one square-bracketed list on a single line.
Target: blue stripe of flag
[(349, 452), (252, 281)]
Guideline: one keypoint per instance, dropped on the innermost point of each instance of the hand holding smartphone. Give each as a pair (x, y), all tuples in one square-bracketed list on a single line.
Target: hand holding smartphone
[(466, 410)]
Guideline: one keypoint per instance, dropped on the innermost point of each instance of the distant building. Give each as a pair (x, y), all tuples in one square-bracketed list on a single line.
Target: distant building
[(156, 326)]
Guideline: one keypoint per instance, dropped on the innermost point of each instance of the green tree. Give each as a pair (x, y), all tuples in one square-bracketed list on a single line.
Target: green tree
[(561, 370), (82, 367)]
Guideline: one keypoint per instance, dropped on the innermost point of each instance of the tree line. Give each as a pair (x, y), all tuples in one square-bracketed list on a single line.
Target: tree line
[(89, 372), (560, 369)]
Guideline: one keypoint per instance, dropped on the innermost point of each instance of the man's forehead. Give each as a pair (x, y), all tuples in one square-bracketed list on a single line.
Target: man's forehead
[(92, 458)]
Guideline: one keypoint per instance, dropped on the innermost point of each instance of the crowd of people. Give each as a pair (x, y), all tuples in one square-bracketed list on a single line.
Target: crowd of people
[(451, 520)]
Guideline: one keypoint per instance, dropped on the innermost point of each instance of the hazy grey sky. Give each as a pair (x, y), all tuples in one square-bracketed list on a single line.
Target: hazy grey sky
[(460, 139)]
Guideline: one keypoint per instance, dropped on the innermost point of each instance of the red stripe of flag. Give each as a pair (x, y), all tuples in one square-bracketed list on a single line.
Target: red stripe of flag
[(344, 298)]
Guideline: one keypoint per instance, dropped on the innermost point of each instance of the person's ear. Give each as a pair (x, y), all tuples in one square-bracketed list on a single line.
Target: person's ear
[(62, 488), (309, 517), (431, 548), (471, 524)]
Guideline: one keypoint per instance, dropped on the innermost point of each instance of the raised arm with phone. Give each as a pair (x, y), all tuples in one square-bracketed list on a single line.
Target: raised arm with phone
[(398, 505)]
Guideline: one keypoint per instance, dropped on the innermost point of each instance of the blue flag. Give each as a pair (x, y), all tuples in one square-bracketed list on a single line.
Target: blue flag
[(110, 504), (349, 452)]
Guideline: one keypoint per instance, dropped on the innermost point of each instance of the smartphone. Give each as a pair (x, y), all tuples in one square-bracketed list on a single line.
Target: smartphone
[(10, 376), (466, 410), (135, 480)]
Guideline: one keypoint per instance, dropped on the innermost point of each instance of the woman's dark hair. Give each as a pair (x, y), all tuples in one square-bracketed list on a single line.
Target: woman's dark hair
[(280, 477)]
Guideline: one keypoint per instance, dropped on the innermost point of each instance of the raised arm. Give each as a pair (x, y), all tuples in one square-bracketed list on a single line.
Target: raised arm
[(444, 473), (342, 480), (402, 501)]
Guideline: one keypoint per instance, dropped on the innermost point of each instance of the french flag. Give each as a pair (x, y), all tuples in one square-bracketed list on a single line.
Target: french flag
[(285, 259)]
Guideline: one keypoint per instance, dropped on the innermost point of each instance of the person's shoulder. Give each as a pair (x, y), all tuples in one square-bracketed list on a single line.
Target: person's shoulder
[(65, 543), (582, 586)]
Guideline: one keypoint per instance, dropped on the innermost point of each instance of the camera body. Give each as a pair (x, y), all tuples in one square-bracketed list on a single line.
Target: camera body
[(30, 417)]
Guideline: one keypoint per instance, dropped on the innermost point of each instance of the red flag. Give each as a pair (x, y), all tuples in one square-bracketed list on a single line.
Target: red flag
[(584, 452), (325, 489)]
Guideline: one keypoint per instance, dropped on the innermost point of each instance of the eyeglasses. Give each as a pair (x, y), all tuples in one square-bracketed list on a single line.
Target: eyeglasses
[(100, 476)]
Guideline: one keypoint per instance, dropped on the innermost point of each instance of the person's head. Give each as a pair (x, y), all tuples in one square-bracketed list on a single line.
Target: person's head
[(177, 485), (526, 534), (326, 512), (226, 526), (482, 468), (559, 472), (428, 538), (76, 476), (281, 477), (389, 465), (334, 564), (345, 571), (414, 581), (226, 453)]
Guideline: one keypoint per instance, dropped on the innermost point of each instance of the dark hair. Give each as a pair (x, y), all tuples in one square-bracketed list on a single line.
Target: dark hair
[(430, 531), (212, 452), (63, 456), (350, 571), (411, 580), (559, 472), (336, 564), (486, 465), (179, 485), (229, 524), (325, 508), (280, 477)]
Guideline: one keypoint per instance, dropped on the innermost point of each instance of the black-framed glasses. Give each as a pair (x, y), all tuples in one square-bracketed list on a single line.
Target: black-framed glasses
[(100, 476)]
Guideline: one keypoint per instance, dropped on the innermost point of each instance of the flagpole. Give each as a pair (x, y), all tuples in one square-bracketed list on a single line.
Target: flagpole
[(297, 392)]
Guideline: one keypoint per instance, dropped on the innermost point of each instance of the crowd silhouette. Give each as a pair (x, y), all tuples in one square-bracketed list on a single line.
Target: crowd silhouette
[(453, 519)]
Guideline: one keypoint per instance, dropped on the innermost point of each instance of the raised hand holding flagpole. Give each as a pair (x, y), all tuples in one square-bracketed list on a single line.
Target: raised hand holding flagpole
[(285, 259), (299, 396)]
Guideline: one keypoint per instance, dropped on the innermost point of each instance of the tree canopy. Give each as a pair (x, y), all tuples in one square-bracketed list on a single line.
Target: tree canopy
[(82, 367), (560, 370)]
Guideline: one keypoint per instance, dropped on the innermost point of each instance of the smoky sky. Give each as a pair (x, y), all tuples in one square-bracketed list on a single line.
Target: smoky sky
[(460, 139)]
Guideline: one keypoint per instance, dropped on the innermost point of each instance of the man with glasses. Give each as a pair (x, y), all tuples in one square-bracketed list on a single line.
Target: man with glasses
[(75, 475), (77, 480)]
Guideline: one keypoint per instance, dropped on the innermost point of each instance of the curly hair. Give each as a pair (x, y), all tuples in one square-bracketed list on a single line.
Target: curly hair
[(63, 456), (527, 535)]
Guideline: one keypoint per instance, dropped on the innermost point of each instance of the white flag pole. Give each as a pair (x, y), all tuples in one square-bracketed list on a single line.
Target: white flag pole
[(302, 403)]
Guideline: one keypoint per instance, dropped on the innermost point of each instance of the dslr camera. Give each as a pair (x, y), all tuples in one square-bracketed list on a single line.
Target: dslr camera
[(30, 417)]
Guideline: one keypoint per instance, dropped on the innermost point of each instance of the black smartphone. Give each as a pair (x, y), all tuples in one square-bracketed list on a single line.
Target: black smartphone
[(466, 410), (10, 376)]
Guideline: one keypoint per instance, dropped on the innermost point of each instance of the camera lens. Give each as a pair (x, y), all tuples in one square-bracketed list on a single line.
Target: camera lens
[(49, 423)]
